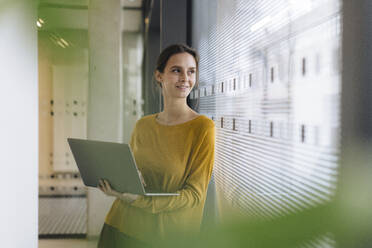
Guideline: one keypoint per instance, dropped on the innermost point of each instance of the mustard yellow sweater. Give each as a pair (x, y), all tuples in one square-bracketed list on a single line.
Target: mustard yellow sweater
[(177, 158)]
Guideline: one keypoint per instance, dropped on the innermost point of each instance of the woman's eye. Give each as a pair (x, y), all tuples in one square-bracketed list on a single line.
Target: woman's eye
[(178, 70)]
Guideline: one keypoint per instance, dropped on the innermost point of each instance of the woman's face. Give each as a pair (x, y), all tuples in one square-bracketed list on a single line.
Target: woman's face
[(179, 76)]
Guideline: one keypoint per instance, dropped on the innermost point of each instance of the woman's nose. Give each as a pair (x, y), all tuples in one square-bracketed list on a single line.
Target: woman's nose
[(184, 76)]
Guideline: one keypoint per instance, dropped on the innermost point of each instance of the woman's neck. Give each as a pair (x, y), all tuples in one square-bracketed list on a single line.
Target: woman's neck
[(175, 109)]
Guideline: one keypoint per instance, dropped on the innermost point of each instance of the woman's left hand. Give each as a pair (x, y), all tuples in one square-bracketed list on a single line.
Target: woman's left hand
[(105, 187)]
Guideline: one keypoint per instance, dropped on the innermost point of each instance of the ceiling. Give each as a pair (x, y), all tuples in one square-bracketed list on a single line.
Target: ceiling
[(73, 14), (124, 3)]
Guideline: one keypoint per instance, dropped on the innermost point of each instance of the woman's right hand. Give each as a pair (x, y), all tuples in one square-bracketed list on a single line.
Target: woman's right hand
[(105, 187)]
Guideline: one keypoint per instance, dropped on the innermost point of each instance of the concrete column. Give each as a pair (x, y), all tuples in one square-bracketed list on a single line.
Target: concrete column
[(105, 107), (19, 123)]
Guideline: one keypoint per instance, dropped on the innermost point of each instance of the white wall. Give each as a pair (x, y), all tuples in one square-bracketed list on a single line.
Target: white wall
[(18, 124)]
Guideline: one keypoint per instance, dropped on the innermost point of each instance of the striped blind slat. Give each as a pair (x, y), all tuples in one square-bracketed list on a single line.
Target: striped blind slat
[(270, 80)]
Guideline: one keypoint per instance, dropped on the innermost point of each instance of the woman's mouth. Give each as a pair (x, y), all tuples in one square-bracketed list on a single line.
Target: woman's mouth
[(182, 87)]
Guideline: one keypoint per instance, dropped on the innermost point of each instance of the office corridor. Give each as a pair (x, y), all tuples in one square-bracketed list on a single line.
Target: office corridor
[(286, 84)]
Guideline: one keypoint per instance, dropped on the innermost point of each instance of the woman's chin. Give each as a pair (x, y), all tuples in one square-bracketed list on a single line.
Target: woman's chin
[(181, 95)]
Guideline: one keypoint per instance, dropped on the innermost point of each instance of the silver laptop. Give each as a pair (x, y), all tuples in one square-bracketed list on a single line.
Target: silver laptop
[(111, 161)]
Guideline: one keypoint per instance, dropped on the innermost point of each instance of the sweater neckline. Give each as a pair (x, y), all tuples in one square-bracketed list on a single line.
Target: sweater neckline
[(176, 125)]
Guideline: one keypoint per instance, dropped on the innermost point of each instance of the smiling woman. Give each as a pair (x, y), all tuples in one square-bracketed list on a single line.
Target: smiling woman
[(188, 67), (176, 78), (174, 151), (180, 73)]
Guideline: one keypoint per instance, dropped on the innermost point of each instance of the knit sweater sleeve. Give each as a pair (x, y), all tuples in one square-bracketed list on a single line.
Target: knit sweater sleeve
[(194, 190)]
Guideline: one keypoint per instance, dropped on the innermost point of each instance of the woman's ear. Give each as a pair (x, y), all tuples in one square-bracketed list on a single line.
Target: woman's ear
[(158, 76)]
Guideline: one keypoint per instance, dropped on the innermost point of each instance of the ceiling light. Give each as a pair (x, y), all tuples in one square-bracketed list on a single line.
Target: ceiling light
[(64, 42), (58, 40), (61, 44), (39, 22)]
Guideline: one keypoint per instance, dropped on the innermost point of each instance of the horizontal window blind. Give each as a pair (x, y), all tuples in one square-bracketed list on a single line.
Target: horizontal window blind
[(270, 80)]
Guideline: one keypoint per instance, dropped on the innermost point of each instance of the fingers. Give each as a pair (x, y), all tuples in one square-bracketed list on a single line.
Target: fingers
[(104, 185), (107, 185), (101, 186)]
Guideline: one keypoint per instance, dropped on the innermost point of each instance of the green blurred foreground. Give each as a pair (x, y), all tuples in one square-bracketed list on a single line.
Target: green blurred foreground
[(345, 222), (295, 230)]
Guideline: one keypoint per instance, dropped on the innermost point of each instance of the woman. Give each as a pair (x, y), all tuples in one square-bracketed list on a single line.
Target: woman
[(174, 150)]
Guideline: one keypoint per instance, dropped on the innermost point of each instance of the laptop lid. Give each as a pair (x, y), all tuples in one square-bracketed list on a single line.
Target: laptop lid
[(106, 160)]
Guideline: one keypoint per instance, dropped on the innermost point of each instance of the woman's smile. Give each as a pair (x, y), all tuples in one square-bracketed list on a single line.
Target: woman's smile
[(182, 87)]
